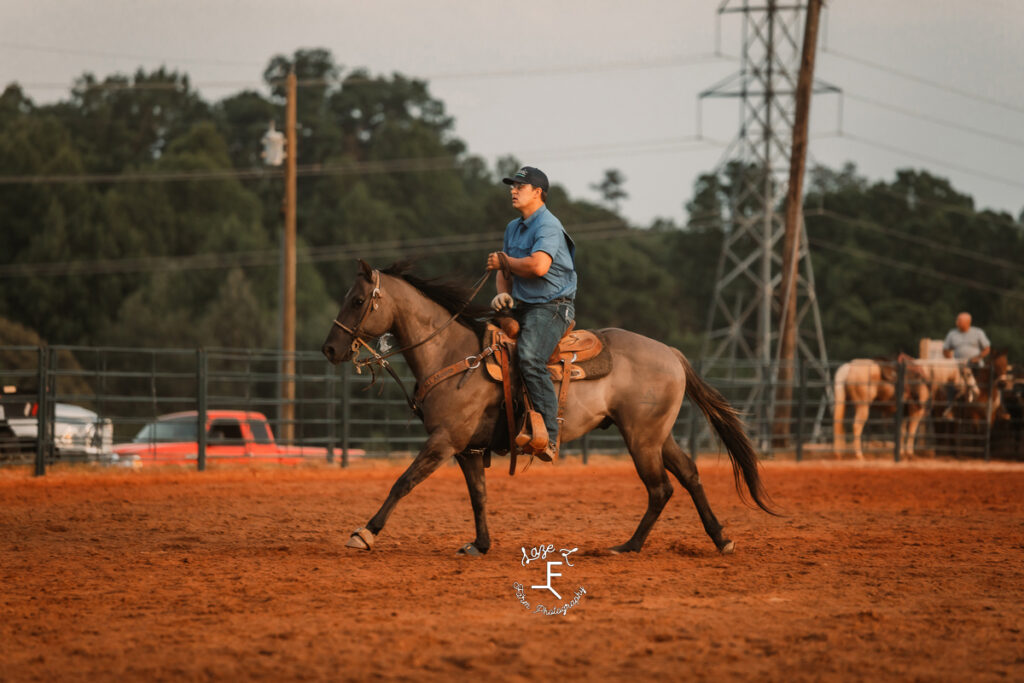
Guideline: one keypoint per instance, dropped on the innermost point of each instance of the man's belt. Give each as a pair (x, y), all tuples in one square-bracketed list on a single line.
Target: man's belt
[(559, 300)]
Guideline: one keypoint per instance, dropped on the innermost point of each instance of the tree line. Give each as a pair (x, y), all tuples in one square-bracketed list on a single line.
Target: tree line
[(172, 241)]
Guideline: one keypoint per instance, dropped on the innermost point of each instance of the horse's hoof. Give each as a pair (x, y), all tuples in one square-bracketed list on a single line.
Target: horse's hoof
[(470, 550), (620, 549), (361, 539), (728, 549)]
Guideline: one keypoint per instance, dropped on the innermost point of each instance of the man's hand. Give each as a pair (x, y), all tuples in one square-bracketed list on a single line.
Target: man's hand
[(498, 260), (502, 300)]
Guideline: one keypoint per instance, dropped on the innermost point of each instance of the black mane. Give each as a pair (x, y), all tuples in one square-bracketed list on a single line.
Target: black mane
[(453, 296)]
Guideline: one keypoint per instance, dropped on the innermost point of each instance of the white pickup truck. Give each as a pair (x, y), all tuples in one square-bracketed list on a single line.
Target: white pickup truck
[(78, 433)]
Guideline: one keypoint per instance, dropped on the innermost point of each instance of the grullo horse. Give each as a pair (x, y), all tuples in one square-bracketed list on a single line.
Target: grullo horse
[(642, 395)]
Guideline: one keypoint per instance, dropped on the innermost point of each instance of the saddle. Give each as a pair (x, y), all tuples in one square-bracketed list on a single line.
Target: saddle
[(584, 349), (580, 355)]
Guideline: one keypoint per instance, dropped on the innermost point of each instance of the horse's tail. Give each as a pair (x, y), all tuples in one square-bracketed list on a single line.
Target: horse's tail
[(727, 424)]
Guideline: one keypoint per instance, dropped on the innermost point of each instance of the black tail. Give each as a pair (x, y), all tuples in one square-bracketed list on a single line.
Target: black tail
[(727, 424)]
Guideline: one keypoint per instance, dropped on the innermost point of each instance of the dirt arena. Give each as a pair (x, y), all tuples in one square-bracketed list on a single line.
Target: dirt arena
[(878, 572)]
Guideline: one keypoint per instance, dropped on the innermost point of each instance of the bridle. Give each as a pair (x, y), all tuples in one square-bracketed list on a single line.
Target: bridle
[(359, 338), (373, 303)]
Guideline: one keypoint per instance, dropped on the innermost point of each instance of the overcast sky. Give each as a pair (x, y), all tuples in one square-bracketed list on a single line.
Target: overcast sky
[(576, 87)]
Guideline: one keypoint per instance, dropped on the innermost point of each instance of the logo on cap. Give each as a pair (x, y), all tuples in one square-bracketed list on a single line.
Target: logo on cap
[(521, 173)]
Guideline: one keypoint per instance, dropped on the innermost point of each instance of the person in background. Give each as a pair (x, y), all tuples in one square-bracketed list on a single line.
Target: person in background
[(966, 343)]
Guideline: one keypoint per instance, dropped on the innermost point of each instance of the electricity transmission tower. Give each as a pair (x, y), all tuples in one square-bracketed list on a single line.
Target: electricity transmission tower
[(744, 321)]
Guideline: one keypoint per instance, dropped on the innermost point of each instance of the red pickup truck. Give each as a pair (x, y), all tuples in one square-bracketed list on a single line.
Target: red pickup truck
[(231, 435)]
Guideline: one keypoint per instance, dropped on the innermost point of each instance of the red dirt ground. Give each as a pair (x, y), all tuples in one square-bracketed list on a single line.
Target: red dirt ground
[(880, 572)]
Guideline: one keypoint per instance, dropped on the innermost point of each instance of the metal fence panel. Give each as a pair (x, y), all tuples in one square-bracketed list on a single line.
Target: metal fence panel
[(339, 415)]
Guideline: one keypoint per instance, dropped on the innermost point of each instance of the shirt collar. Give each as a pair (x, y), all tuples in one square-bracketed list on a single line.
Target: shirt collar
[(528, 222)]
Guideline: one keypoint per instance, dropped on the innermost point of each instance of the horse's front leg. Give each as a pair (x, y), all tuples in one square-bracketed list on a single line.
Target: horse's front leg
[(472, 465), (436, 451)]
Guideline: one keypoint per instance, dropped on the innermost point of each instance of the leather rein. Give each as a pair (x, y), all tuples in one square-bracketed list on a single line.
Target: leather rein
[(359, 338)]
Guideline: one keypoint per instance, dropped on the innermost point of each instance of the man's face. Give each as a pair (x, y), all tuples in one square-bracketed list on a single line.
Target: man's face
[(963, 322), (523, 194)]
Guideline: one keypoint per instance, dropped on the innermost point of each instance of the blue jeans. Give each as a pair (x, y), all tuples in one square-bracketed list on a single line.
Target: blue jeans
[(540, 328)]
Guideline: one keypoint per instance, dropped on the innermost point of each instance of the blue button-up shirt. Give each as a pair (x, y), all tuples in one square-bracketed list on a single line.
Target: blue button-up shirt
[(542, 232)]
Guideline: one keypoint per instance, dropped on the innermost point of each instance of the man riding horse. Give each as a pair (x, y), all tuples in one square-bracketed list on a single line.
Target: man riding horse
[(536, 279)]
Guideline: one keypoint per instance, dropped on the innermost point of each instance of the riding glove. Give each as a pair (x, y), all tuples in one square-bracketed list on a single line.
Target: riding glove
[(502, 300)]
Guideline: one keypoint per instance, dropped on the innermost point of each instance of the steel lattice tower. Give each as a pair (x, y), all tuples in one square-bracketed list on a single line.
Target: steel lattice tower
[(743, 324)]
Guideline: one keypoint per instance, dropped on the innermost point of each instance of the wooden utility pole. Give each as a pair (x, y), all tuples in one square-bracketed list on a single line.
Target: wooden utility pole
[(288, 305), (794, 217)]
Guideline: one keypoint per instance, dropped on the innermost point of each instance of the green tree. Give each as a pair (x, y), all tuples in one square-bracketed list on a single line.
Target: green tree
[(612, 188)]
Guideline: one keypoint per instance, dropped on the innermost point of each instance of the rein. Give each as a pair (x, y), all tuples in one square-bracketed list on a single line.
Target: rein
[(381, 359)]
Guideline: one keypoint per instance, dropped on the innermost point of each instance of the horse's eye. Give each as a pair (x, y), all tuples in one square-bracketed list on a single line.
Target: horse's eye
[(359, 301)]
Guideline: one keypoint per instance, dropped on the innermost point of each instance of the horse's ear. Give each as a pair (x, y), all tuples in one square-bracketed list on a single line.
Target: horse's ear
[(365, 270)]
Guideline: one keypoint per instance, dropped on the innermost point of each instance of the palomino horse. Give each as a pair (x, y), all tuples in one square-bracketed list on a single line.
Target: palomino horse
[(642, 395), (865, 381)]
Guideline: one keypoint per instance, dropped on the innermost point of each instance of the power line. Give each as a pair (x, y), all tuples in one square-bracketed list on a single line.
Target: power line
[(902, 265), (917, 239), (932, 119), (350, 168), (415, 164), (924, 81), (271, 257), (976, 214), (352, 80), (660, 63), (721, 218), (932, 160), (121, 55)]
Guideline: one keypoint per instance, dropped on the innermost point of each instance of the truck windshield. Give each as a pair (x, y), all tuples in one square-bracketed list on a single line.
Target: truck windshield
[(170, 430)]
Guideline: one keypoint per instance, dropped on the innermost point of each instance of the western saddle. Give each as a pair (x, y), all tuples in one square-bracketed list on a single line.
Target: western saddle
[(580, 354)]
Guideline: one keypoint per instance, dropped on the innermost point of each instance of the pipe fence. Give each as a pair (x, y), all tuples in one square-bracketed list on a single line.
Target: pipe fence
[(70, 404)]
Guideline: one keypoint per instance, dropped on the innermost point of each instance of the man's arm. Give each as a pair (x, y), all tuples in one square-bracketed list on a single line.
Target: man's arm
[(947, 345), (985, 344), (536, 264)]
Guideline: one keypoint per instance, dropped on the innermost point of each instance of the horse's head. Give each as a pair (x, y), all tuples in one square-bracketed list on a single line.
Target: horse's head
[(365, 315), (1000, 365)]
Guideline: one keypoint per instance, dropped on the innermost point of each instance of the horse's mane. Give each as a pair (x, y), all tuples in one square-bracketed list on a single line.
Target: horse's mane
[(450, 294)]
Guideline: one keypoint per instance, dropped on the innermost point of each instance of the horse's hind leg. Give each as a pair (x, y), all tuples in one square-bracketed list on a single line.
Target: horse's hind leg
[(684, 469), (649, 466), (860, 417), (472, 465)]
